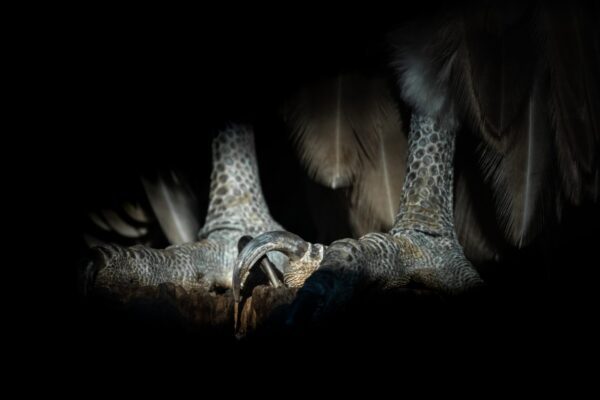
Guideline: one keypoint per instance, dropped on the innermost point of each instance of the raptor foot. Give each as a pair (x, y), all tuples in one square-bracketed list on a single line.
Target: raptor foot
[(383, 261)]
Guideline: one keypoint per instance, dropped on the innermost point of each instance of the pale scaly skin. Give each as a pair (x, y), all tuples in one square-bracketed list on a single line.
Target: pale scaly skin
[(236, 208), (421, 247)]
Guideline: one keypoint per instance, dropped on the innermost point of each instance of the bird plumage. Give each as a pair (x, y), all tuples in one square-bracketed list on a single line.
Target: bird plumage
[(175, 207), (349, 133), (521, 77), (570, 39), (331, 123), (375, 193)]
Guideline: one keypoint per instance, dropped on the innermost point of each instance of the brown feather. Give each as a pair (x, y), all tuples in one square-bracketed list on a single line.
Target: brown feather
[(331, 145), (375, 195)]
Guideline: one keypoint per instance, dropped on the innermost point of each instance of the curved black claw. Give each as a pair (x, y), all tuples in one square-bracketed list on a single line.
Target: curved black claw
[(271, 272), (303, 257)]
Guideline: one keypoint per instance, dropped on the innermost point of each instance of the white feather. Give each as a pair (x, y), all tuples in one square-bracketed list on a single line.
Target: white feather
[(175, 208), (121, 227)]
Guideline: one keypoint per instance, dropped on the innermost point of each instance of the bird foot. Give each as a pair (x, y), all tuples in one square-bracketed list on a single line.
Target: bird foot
[(205, 264), (331, 276), (236, 208)]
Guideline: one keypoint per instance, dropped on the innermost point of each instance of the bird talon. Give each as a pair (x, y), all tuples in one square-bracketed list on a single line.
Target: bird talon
[(303, 259), (267, 267)]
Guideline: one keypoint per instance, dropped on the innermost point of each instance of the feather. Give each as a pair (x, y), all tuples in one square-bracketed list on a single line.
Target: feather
[(120, 226), (493, 68), (521, 176), (331, 145), (475, 221), (99, 221), (92, 241), (375, 194), (470, 222), (136, 212), (175, 207), (571, 45), (423, 59)]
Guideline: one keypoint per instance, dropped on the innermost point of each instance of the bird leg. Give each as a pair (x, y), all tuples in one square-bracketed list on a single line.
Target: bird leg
[(236, 208), (422, 247)]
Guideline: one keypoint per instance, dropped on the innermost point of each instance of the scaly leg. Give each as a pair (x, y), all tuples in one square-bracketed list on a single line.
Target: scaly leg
[(237, 208)]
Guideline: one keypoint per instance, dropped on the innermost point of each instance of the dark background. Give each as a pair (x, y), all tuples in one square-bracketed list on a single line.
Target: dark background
[(151, 88)]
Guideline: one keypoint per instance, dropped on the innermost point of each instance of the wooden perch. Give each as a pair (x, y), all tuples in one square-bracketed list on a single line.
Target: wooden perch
[(199, 309)]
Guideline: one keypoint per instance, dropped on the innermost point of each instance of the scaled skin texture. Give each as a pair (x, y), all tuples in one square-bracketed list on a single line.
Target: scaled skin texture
[(237, 208)]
